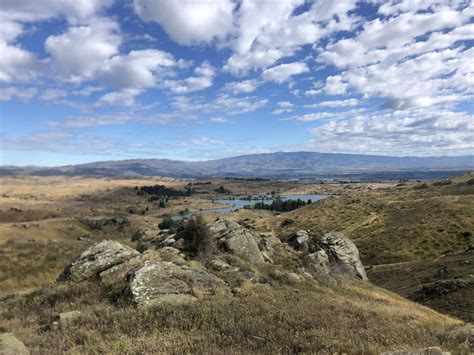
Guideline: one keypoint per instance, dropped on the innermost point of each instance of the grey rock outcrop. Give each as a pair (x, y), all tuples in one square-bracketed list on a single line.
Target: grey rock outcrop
[(328, 253), (9, 344), (162, 282), (299, 240), (238, 240), (342, 251), (96, 259)]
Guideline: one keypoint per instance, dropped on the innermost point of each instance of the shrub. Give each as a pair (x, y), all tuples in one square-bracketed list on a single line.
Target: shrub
[(168, 223), (197, 236)]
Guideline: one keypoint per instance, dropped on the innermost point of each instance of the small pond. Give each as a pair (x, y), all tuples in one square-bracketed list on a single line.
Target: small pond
[(230, 205)]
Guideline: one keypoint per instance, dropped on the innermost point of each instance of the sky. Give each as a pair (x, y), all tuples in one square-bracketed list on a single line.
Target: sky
[(92, 80)]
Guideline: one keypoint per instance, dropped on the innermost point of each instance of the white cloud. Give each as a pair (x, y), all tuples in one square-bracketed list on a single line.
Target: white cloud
[(413, 132), (335, 103), (16, 64), (220, 120), (245, 86), (137, 69), (283, 106), (29, 11), (206, 141), (315, 116), (414, 58), (7, 93), (267, 31), (204, 78), (125, 97), (77, 54), (283, 72), (189, 21), (223, 103)]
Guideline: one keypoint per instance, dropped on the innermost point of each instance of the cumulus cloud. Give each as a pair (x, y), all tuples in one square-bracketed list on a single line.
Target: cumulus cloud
[(204, 75), (78, 53), (17, 64), (413, 132), (267, 31), (137, 69), (125, 97), (283, 72), (7, 93), (412, 58), (245, 86), (189, 22)]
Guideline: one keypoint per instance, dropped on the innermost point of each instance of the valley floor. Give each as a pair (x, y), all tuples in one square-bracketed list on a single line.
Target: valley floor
[(414, 238)]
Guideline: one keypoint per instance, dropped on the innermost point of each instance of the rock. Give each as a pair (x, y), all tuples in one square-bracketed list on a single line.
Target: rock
[(9, 345), (162, 282), (424, 351), (441, 272), (441, 288), (237, 240), (96, 259), (119, 273), (222, 226), (319, 261), (343, 252), (221, 266), (299, 240)]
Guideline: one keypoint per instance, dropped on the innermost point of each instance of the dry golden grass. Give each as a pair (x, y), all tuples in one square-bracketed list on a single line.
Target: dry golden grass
[(352, 317)]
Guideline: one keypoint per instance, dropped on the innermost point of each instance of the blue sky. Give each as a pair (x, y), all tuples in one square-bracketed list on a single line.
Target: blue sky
[(90, 80)]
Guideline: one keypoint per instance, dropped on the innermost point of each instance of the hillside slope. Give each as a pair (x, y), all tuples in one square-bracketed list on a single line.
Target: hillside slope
[(270, 165), (416, 238)]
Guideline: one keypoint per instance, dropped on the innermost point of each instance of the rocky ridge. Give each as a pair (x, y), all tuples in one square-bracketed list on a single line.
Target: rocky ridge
[(166, 272)]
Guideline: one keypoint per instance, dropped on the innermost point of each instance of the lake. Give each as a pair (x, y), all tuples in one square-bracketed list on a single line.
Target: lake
[(231, 205)]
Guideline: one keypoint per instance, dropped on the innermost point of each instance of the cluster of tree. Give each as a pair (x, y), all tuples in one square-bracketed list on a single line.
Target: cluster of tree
[(200, 183), (246, 179), (256, 198), (163, 191), (169, 223), (222, 190), (280, 205)]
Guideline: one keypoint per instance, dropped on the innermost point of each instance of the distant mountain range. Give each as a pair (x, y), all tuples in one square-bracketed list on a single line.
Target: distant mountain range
[(282, 165)]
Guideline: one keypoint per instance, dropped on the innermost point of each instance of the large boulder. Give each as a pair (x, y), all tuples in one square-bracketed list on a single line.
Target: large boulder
[(96, 259), (9, 344), (342, 252), (164, 282), (238, 240)]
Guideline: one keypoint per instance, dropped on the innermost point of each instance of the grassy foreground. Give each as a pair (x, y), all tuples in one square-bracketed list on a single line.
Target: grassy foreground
[(352, 317)]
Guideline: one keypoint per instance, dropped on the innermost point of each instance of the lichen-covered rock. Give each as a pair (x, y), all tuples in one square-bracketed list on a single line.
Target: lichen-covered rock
[(237, 240), (342, 251), (9, 344), (96, 259), (162, 282), (119, 272), (299, 240), (318, 260)]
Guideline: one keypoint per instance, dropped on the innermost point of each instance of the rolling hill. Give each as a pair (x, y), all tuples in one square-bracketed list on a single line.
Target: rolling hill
[(269, 165)]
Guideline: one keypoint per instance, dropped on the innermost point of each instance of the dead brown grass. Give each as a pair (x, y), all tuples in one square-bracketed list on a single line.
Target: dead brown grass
[(351, 317)]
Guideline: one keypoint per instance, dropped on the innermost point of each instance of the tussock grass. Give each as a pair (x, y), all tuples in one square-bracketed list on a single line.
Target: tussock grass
[(352, 317)]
